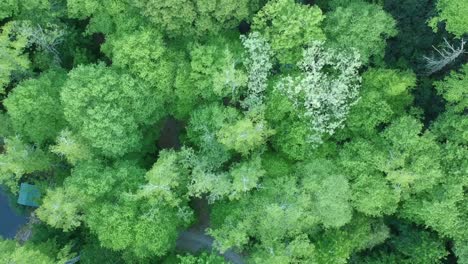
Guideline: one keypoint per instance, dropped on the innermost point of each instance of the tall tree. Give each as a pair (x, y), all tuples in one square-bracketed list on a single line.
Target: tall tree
[(109, 109), (346, 27), (289, 26), (452, 12), (35, 109), (196, 17)]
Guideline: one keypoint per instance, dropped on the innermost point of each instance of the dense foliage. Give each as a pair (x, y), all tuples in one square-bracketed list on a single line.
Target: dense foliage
[(286, 131)]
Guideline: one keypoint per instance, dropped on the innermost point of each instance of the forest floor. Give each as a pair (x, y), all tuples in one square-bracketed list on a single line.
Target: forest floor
[(195, 241)]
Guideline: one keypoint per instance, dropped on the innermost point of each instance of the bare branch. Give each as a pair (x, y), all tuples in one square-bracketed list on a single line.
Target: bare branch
[(447, 54)]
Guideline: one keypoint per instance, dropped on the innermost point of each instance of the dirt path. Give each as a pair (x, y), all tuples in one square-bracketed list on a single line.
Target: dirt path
[(194, 239)]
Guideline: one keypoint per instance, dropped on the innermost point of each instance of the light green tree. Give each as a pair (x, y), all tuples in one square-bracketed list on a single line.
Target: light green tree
[(61, 209), (393, 166), (203, 258), (245, 177), (143, 53), (144, 230), (167, 180), (245, 135), (298, 250), (452, 12), (71, 147), (20, 159), (453, 89), (13, 61), (35, 109), (329, 192), (203, 125), (11, 252)]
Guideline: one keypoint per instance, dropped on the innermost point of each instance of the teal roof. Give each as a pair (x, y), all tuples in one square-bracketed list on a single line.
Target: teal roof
[(29, 195)]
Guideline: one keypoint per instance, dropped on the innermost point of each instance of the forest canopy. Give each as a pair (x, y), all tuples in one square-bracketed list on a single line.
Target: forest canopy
[(261, 131)]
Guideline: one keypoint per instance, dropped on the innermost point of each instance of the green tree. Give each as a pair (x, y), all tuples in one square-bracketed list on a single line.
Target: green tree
[(414, 163), (21, 159), (270, 214), (196, 17), (61, 209), (347, 27), (204, 124), (71, 147), (12, 57), (245, 135), (385, 95), (66, 206), (292, 137), (338, 245), (441, 207), (82, 9), (213, 72), (245, 177), (452, 12), (6, 129), (393, 166), (167, 180), (35, 109), (8, 8), (109, 109), (93, 252), (329, 192), (453, 89), (289, 26), (11, 252), (461, 250), (411, 245)]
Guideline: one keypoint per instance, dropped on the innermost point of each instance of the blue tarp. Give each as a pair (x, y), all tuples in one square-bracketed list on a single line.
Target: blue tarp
[(29, 195)]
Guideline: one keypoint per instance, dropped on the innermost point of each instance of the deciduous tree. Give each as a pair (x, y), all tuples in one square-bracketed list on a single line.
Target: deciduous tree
[(109, 109), (289, 26), (346, 27), (35, 109)]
